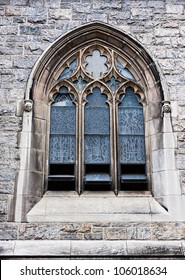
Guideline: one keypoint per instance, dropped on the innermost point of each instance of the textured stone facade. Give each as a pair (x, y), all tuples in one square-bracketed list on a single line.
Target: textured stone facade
[(27, 28)]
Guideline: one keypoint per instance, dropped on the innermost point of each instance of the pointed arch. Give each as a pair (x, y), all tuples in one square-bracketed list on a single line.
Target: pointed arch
[(32, 182)]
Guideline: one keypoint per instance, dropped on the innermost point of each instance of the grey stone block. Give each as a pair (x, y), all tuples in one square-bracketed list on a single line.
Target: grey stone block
[(7, 248), (93, 236), (30, 30), (19, 2), (98, 247), (154, 248), (36, 231), (8, 231), (168, 231), (42, 248)]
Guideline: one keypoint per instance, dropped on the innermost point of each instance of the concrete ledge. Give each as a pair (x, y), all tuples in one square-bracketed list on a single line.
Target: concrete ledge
[(96, 207), (92, 248)]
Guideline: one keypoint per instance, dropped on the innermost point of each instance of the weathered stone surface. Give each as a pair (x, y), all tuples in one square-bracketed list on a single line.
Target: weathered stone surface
[(13, 11), (50, 231), (7, 187), (153, 248), (8, 231), (42, 248), (24, 62), (60, 13), (116, 233), (168, 231), (34, 48), (19, 2), (174, 9), (45, 3), (93, 236), (8, 30), (98, 247), (117, 4), (7, 248), (27, 30)]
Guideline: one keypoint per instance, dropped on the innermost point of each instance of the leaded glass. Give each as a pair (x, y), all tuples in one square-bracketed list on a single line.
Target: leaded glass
[(68, 71), (97, 120), (113, 83), (63, 98), (80, 83), (97, 128), (63, 120), (132, 149), (96, 99), (62, 148), (96, 64), (124, 71), (131, 121), (131, 129), (130, 99), (63, 128), (97, 149)]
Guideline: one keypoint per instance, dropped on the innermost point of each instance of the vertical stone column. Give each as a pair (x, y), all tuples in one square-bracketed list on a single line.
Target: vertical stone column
[(23, 175), (167, 188)]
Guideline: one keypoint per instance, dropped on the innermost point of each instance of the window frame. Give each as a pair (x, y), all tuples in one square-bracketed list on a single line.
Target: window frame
[(113, 100)]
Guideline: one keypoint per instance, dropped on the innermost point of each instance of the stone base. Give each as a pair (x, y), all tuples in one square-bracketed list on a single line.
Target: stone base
[(96, 207), (69, 249)]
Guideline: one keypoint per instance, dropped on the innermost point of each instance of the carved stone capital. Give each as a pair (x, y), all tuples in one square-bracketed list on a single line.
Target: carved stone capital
[(28, 105), (166, 108)]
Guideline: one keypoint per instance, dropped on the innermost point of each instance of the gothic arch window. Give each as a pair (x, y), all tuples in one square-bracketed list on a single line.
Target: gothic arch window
[(96, 61), (97, 134)]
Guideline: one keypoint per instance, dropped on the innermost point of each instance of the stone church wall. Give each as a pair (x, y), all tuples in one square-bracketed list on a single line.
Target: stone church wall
[(27, 28)]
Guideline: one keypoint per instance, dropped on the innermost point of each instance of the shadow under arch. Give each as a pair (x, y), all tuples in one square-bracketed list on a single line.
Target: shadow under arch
[(31, 182)]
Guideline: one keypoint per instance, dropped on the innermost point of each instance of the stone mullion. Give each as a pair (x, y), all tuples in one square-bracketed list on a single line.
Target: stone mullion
[(79, 146), (114, 147)]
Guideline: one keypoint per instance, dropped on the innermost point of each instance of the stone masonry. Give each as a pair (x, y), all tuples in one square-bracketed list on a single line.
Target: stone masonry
[(27, 28)]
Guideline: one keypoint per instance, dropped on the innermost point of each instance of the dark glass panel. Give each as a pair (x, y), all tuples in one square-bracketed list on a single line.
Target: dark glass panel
[(113, 83), (97, 129), (68, 71), (96, 99), (97, 120), (97, 149), (80, 83), (131, 129), (124, 71), (63, 120), (130, 99), (62, 148), (132, 149), (131, 121), (63, 128)]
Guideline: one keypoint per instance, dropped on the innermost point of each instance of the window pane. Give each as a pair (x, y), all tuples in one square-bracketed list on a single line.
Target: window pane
[(131, 129), (131, 121), (63, 128), (132, 149), (62, 149), (97, 149), (97, 120), (96, 99), (63, 120), (97, 129)]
